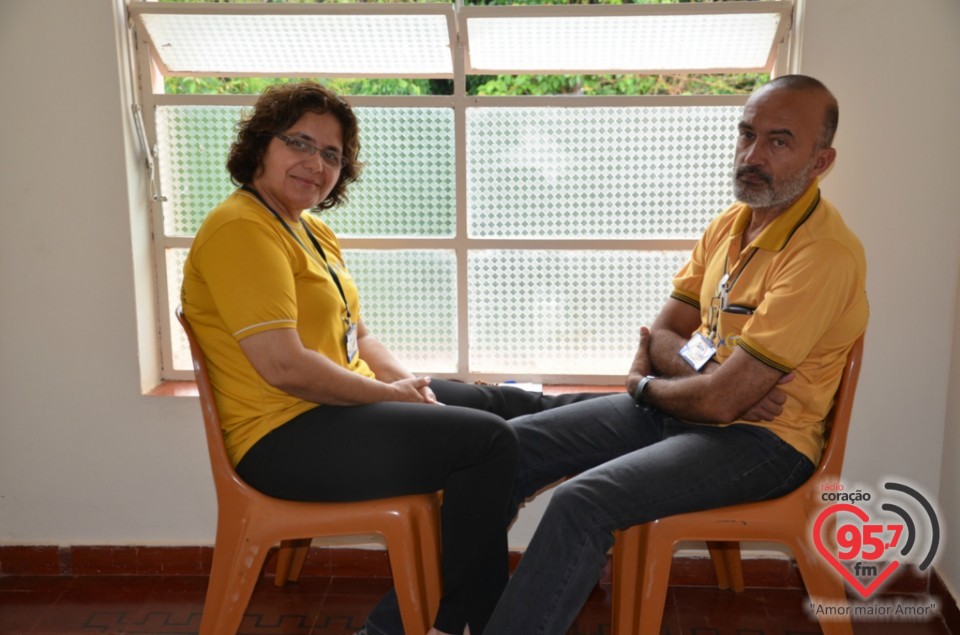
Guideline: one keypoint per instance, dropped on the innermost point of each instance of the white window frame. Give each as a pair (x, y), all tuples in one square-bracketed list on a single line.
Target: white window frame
[(150, 94)]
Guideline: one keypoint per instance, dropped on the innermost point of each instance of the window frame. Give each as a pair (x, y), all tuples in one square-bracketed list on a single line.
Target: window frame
[(150, 94)]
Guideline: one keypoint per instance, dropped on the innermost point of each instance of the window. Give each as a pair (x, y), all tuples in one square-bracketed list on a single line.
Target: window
[(492, 235)]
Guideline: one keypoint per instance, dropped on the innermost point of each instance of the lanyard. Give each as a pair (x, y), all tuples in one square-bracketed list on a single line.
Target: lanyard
[(726, 282), (316, 244), (721, 299)]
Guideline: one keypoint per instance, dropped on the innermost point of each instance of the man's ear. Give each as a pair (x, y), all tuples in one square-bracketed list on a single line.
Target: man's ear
[(825, 158)]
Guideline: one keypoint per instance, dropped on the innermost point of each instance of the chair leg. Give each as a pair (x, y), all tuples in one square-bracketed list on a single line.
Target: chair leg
[(823, 585), (726, 562), (299, 557), (284, 561), (237, 561), (407, 581), (654, 569), (290, 558), (719, 559), (428, 538), (626, 556), (731, 555)]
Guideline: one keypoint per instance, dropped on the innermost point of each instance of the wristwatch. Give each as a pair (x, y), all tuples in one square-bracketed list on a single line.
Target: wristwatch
[(638, 393)]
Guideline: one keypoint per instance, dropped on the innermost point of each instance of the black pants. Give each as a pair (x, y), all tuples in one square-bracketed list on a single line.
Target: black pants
[(338, 453)]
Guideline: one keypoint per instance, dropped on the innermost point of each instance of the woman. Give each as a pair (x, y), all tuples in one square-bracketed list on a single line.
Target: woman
[(314, 408)]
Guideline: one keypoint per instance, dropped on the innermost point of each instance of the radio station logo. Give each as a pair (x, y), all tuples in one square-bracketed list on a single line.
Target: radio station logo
[(869, 537)]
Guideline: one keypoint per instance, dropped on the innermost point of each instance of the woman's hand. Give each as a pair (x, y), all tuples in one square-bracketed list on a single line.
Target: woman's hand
[(414, 390), (429, 397), (387, 368)]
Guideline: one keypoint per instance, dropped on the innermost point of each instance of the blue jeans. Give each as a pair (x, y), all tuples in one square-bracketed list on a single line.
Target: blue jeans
[(632, 465)]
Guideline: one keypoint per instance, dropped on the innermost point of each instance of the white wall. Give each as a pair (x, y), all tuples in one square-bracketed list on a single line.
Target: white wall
[(895, 68), (86, 459), (949, 563)]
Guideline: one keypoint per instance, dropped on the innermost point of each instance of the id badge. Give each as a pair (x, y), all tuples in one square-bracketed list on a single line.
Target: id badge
[(351, 339), (698, 351)]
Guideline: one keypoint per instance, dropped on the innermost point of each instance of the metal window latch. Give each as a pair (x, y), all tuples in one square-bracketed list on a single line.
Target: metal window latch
[(148, 153)]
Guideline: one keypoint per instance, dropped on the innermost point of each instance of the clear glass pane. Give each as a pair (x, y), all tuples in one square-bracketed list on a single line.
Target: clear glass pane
[(625, 43), (408, 187), (638, 172), (409, 301), (342, 44), (178, 340), (563, 312)]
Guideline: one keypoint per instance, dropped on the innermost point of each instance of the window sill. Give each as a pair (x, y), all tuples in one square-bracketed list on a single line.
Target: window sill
[(174, 389), (189, 389)]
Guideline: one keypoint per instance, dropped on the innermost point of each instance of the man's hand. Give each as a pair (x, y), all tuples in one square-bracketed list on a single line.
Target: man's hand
[(741, 388), (768, 408), (641, 366)]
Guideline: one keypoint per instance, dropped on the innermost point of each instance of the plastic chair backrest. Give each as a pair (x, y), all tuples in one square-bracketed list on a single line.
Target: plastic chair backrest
[(838, 422), (224, 476)]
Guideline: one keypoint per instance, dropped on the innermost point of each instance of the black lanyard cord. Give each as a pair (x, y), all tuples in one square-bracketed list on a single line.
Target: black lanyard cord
[(729, 283), (313, 239)]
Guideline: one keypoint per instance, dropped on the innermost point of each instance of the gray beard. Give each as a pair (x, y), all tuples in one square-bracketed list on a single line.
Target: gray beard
[(773, 194)]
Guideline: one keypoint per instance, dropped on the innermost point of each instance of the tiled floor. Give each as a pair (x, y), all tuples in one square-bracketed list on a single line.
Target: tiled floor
[(336, 606)]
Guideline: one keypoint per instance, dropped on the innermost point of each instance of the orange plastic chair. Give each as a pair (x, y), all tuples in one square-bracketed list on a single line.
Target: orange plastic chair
[(639, 594), (249, 523)]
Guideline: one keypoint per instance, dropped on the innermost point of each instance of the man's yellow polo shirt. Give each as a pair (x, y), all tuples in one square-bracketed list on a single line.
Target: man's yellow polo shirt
[(246, 274), (800, 291)]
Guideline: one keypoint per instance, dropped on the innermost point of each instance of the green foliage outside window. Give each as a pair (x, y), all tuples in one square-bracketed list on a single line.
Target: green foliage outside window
[(493, 85), (489, 85), (255, 85)]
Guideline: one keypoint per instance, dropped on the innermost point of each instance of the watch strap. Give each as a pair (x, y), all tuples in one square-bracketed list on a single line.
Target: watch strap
[(638, 393)]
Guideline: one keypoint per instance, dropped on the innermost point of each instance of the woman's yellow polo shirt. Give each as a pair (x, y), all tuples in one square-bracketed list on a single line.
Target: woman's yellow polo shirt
[(246, 274)]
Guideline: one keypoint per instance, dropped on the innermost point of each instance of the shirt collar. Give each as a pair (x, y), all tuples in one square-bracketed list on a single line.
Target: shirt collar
[(778, 233)]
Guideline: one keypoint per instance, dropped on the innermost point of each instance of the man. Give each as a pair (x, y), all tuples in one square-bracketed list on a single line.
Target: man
[(729, 388)]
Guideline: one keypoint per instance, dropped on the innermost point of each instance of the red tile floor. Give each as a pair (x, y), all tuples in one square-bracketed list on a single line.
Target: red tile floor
[(171, 604)]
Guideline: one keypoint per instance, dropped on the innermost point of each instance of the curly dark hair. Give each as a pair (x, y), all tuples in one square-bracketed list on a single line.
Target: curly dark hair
[(278, 108)]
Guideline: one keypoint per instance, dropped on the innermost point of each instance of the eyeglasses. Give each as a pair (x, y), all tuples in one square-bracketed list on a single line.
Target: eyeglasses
[(331, 158)]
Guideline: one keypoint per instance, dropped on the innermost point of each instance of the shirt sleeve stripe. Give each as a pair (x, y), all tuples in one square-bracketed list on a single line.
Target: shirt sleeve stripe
[(683, 297), (762, 357), (254, 326)]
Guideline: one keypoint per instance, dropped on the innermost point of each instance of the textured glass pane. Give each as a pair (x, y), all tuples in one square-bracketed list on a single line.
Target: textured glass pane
[(302, 44), (639, 172), (563, 312), (409, 301), (193, 142), (627, 43), (178, 340), (408, 187)]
